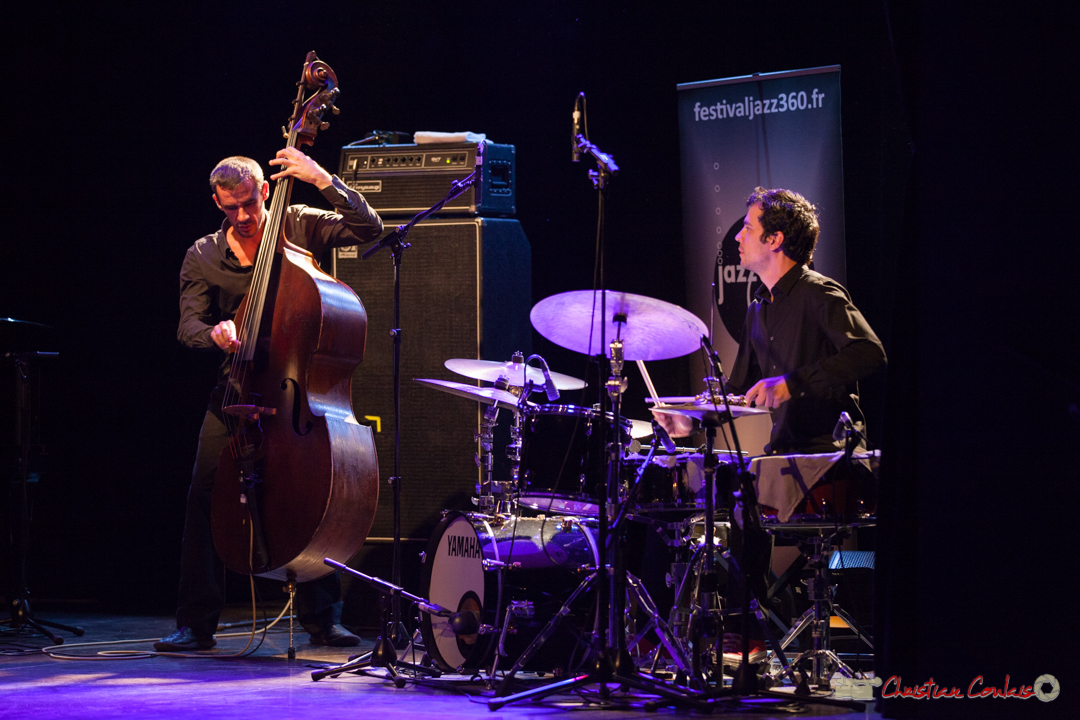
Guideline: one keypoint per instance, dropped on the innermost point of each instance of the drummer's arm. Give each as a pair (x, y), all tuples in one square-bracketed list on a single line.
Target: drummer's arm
[(677, 426)]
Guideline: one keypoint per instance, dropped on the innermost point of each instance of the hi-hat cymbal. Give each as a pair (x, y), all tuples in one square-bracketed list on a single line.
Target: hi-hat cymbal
[(672, 399), (650, 329), (708, 411), (485, 395), (491, 371)]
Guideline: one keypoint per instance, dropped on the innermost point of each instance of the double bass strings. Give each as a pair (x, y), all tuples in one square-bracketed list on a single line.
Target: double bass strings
[(248, 333)]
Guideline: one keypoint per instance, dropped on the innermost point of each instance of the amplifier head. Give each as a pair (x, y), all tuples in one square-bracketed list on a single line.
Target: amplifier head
[(402, 180)]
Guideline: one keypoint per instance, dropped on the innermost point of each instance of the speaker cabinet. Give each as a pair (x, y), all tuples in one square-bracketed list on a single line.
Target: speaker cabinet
[(466, 292)]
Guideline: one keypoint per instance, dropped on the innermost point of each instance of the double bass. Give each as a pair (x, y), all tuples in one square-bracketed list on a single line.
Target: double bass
[(300, 480)]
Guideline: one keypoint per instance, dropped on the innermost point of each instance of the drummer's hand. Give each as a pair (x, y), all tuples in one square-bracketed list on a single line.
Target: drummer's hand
[(769, 393), (677, 426), (296, 164), (224, 336)]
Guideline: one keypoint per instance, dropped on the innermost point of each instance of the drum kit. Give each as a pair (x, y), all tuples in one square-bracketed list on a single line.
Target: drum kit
[(535, 579), (517, 581)]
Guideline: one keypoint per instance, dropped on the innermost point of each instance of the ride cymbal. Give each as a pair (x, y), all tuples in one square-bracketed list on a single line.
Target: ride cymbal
[(650, 329)]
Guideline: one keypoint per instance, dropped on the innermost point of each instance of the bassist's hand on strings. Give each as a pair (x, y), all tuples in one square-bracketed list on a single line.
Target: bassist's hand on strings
[(296, 164), (224, 336)]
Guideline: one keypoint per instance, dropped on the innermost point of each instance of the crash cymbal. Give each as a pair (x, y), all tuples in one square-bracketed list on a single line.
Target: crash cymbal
[(650, 329), (485, 395), (490, 371)]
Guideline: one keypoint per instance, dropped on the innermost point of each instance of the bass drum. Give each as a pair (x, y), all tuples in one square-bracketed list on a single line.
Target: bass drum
[(545, 561)]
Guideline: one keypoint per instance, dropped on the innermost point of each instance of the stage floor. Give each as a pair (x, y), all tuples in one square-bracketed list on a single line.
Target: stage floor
[(263, 684)]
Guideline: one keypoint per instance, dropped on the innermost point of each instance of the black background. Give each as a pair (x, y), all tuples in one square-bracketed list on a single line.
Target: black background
[(960, 187)]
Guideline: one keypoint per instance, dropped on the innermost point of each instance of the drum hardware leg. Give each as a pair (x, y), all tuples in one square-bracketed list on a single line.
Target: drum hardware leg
[(383, 655), (816, 549), (667, 639), (517, 608), (290, 588), (542, 637), (680, 613), (855, 627)]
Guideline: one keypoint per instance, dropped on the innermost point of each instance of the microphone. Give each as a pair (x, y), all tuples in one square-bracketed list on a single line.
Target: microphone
[(843, 426), (461, 623), (659, 431), (549, 385), (575, 152), (435, 609), (714, 357), (465, 623)]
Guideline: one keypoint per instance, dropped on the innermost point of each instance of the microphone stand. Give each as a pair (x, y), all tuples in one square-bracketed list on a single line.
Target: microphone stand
[(20, 613), (384, 654), (612, 662), (395, 241), (391, 137)]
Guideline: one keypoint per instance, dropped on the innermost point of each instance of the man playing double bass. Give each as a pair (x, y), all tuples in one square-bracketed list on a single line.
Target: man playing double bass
[(215, 277)]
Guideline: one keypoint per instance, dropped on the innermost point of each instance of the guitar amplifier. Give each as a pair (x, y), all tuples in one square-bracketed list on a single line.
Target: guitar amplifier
[(402, 180)]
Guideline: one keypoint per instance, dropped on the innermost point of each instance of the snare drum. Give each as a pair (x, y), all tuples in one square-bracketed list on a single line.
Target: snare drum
[(545, 558), (675, 482), (563, 460), (665, 482)]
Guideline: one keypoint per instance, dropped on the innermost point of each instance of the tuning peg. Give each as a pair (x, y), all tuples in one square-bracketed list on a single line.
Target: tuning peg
[(324, 125), (334, 109)]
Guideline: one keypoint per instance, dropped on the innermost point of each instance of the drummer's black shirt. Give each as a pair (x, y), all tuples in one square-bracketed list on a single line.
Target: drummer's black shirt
[(809, 331), (213, 282)]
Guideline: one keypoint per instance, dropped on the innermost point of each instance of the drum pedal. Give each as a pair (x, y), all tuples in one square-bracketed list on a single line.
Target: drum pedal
[(521, 608)]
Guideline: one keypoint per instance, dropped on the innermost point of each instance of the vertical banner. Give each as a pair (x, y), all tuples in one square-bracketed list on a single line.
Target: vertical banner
[(773, 130)]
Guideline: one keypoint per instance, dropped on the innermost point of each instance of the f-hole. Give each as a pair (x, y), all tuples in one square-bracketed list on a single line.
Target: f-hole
[(296, 407)]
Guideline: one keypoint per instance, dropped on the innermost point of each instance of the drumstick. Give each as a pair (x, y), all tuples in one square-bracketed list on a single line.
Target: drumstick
[(648, 383)]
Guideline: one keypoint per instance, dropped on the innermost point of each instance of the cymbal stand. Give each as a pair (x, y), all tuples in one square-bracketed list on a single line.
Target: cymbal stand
[(395, 241), (612, 661), (383, 655), (605, 669), (513, 452), (490, 497), (20, 614), (500, 497)]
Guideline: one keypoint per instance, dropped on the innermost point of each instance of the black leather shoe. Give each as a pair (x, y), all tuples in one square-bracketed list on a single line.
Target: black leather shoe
[(335, 636), (184, 639)]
